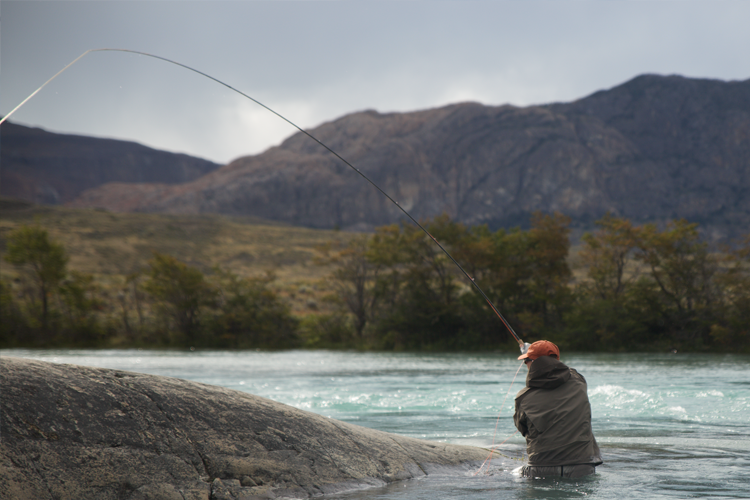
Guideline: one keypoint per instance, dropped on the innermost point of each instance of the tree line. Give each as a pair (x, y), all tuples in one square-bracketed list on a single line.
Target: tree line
[(170, 303), (635, 288), (631, 288)]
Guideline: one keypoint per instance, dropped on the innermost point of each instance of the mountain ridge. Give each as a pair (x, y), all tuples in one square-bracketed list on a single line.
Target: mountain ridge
[(652, 149), (50, 168)]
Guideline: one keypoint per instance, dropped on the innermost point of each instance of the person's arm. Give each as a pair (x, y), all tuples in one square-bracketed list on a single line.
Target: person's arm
[(521, 421)]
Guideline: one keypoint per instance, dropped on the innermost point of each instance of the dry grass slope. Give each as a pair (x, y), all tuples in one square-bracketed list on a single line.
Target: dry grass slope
[(113, 245)]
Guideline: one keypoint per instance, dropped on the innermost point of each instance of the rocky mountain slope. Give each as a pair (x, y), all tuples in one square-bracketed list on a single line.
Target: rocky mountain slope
[(44, 167), (652, 149)]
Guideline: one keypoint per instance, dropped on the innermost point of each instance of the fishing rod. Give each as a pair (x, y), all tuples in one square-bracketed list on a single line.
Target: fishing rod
[(523, 346)]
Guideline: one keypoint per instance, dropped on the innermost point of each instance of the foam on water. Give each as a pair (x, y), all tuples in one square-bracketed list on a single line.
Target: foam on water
[(670, 426)]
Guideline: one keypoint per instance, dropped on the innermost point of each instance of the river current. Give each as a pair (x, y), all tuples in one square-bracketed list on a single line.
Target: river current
[(668, 425)]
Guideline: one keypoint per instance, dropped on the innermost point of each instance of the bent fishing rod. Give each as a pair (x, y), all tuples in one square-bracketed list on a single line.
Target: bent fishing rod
[(523, 346)]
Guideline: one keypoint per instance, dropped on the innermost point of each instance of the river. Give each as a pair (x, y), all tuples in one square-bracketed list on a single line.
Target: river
[(668, 425)]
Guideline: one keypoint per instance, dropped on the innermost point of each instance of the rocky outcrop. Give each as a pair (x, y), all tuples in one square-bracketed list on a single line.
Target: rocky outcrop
[(72, 432), (652, 149), (48, 168)]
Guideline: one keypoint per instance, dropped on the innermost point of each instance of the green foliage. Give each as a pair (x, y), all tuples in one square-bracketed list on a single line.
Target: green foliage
[(173, 304), (13, 322), (49, 305), (353, 280), (80, 302), (609, 310), (328, 331), (645, 288), (250, 315), (416, 290), (596, 323), (30, 248), (181, 294), (637, 288), (657, 288), (731, 329), (682, 271), (608, 254), (418, 299), (524, 273)]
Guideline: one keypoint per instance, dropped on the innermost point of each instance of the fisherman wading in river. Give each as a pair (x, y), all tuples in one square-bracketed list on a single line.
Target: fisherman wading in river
[(554, 415), (552, 412)]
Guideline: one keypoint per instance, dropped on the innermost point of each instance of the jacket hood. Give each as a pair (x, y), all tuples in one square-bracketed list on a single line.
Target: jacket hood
[(547, 373)]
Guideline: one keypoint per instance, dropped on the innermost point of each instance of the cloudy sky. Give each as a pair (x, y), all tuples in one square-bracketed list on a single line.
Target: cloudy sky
[(314, 61)]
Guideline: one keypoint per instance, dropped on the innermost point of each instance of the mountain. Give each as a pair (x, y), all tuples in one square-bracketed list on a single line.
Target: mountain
[(652, 149), (44, 167)]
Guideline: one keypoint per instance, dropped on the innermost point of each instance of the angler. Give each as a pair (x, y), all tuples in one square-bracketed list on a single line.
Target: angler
[(525, 425), (554, 415)]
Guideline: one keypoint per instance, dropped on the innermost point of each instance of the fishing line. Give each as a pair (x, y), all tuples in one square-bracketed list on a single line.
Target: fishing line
[(497, 422), (521, 344)]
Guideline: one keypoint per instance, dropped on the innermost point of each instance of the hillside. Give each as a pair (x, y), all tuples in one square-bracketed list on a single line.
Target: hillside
[(111, 246), (44, 167), (652, 149)]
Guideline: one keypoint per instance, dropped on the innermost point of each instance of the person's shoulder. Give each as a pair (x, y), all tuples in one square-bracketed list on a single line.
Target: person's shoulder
[(575, 375), (523, 392)]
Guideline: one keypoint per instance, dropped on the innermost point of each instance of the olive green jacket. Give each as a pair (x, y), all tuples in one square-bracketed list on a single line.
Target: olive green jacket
[(554, 415)]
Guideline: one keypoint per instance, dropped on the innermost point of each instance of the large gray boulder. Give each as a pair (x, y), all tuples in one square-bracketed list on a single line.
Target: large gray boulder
[(74, 432)]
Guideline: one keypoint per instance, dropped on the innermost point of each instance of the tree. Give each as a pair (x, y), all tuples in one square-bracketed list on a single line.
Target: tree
[(78, 295), (646, 286), (416, 287), (181, 292), (525, 273), (353, 280), (608, 306), (252, 315), (732, 326), (419, 299), (682, 270), (680, 263), (30, 247), (608, 254), (549, 239), (13, 324)]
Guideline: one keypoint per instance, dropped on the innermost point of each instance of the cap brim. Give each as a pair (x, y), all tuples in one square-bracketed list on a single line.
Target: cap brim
[(523, 356)]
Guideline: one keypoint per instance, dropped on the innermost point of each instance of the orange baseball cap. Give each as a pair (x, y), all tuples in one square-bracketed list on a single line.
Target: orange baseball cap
[(541, 348)]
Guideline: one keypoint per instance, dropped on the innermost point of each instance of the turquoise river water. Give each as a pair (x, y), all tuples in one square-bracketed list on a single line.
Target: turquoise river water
[(669, 425)]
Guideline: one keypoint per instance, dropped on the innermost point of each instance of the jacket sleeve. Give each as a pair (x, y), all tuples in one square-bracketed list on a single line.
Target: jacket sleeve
[(520, 419)]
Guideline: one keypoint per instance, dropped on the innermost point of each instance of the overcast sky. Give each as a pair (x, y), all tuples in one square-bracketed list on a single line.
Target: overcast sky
[(314, 61)]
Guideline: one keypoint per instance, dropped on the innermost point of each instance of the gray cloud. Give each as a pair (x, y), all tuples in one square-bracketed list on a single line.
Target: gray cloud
[(314, 61)]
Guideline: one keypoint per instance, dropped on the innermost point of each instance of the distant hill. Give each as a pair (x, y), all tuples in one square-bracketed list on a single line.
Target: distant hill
[(652, 149), (44, 167)]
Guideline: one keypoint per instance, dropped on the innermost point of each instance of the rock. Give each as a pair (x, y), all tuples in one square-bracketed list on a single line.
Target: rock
[(248, 481), (160, 491), (73, 432)]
